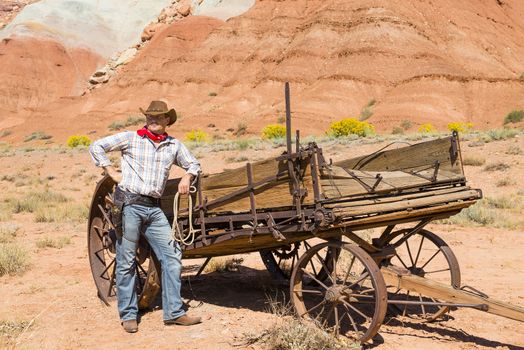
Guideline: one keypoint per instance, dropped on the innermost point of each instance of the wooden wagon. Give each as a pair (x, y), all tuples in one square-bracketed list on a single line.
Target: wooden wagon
[(279, 207)]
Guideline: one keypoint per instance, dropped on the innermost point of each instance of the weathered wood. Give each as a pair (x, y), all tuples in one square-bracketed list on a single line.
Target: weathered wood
[(336, 182), (394, 198), (442, 211), (404, 204), (412, 157), (401, 278)]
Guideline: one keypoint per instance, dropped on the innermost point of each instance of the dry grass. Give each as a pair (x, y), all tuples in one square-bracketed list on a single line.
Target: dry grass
[(10, 330), (13, 259), (289, 333), (8, 232), (473, 161), (48, 242), (223, 265), (497, 166), (514, 150), (505, 182)]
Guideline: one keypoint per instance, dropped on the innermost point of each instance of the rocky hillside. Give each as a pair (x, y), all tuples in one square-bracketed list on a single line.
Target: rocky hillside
[(425, 61)]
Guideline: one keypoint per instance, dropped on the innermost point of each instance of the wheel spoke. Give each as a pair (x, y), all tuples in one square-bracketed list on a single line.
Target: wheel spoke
[(309, 291), (326, 320), (98, 256), (349, 269), (401, 261), (353, 323), (356, 310), (436, 271), (314, 307), (325, 267), (409, 253), (107, 267), (362, 277), (432, 257), (419, 249), (314, 278), (337, 321), (422, 305)]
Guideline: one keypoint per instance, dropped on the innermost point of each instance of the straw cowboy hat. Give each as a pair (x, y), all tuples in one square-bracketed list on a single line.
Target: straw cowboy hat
[(160, 107)]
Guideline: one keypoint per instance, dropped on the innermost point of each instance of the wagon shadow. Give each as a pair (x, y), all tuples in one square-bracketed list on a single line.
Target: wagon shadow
[(246, 288), (439, 331)]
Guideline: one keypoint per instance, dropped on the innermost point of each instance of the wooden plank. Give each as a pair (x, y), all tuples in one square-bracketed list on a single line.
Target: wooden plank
[(395, 198), (405, 215), (338, 183), (409, 158), (275, 194), (404, 204), (401, 278)]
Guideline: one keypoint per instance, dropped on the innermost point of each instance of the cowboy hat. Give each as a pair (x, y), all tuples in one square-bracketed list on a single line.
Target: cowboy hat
[(158, 108)]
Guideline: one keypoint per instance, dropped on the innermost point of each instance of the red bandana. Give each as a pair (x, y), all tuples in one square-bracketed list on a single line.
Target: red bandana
[(153, 137)]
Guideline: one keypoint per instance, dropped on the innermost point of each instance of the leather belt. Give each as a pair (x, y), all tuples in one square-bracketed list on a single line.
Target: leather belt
[(135, 198)]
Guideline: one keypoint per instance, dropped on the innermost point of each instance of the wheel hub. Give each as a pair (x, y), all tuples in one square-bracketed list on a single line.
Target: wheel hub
[(417, 271), (333, 294)]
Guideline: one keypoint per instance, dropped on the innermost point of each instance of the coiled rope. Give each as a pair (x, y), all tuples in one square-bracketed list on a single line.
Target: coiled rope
[(176, 233)]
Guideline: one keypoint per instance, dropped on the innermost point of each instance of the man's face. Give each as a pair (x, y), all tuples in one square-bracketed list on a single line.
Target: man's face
[(157, 123)]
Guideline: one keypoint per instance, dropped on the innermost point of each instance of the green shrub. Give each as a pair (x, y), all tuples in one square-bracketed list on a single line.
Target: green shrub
[(212, 94), (426, 128), (197, 136), (514, 116), (460, 127), (78, 140), (5, 133), (273, 131), (37, 135), (350, 126), (13, 259)]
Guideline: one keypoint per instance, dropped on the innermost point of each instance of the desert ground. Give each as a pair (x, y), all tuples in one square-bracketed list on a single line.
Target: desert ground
[(52, 302)]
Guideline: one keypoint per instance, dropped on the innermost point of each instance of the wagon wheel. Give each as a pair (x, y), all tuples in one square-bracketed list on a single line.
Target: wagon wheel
[(280, 262), (351, 301), (426, 255), (101, 247)]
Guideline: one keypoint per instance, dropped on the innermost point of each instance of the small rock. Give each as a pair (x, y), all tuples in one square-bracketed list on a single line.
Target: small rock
[(184, 8), (99, 80), (150, 31), (211, 125), (126, 56), (100, 73)]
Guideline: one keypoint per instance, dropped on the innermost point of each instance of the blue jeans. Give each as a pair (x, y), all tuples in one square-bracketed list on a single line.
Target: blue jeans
[(153, 224)]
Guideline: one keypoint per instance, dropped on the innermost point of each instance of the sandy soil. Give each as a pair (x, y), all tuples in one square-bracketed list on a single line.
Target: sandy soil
[(58, 292)]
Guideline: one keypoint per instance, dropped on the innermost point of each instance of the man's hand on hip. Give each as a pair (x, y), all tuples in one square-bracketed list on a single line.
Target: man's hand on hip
[(115, 175), (183, 185)]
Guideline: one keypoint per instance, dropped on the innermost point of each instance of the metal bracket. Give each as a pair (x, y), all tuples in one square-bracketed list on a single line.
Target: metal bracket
[(272, 228)]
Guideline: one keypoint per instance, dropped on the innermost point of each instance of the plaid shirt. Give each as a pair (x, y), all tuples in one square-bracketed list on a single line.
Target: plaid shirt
[(145, 168)]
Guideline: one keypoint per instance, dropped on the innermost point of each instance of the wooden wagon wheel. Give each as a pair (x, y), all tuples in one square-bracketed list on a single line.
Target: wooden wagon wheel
[(101, 249), (280, 262), (426, 255), (351, 300)]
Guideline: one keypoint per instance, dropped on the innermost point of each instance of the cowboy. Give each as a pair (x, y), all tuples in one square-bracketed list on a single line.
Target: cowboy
[(147, 156)]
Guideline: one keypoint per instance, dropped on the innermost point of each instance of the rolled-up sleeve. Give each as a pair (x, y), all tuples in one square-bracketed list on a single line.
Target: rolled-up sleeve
[(99, 148), (186, 160)]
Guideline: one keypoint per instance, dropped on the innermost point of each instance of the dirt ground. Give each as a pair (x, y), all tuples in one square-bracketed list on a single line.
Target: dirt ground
[(58, 297)]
